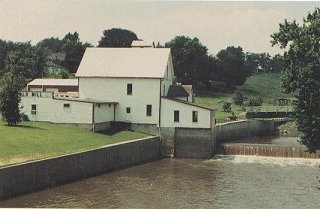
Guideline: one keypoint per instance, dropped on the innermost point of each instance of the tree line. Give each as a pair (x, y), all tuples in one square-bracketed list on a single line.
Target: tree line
[(22, 61), (192, 62)]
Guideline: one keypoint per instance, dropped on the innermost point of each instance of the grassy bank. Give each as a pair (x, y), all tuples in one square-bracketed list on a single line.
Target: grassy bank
[(264, 85), (36, 140)]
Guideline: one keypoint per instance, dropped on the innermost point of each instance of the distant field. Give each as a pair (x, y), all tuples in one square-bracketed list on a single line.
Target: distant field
[(36, 140), (265, 85)]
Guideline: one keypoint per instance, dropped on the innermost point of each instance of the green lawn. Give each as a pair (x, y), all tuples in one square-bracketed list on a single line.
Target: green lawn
[(265, 85), (212, 102), (36, 140)]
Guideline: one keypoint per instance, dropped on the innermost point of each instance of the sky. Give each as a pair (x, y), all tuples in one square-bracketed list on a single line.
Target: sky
[(217, 24)]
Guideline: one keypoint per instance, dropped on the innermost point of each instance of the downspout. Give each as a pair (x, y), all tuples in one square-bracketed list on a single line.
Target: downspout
[(160, 106), (93, 117)]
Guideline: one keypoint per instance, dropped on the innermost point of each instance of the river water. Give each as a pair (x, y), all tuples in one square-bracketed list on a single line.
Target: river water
[(225, 182)]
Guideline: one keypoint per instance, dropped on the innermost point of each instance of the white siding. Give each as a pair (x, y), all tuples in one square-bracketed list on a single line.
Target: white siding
[(144, 92), (168, 77), (52, 110), (205, 119), (35, 89), (104, 113)]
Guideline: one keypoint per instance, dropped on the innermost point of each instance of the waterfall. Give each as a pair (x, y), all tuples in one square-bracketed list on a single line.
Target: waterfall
[(273, 150)]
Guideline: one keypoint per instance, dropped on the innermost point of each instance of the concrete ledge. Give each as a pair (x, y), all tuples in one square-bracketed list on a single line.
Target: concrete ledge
[(194, 143), (243, 129), (32, 176)]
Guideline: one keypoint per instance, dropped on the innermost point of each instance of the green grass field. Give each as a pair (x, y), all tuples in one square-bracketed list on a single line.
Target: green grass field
[(265, 85), (36, 140)]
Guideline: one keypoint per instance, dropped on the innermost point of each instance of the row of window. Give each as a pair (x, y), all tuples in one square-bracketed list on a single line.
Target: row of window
[(148, 112), (176, 113), (176, 116)]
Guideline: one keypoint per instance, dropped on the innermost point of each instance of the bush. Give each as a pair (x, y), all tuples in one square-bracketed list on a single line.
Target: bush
[(257, 101), (238, 98), (64, 74)]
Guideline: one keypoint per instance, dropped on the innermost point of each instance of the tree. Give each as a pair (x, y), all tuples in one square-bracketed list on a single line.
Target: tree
[(231, 66), (74, 50), (52, 44), (258, 62), (238, 98), (191, 61), (117, 37), (12, 81), (277, 63), (301, 74)]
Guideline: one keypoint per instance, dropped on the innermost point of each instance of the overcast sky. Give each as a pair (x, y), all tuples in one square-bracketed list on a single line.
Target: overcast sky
[(216, 24)]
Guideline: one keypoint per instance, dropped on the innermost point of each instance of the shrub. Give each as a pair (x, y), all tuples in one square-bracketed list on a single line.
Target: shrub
[(238, 98), (257, 101)]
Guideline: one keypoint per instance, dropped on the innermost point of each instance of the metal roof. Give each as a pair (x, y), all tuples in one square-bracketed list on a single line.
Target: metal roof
[(177, 91), (53, 82), (124, 62)]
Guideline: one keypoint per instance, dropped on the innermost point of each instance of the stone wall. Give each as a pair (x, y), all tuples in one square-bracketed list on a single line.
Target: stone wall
[(167, 142), (28, 177), (194, 143), (152, 129), (243, 129), (101, 126)]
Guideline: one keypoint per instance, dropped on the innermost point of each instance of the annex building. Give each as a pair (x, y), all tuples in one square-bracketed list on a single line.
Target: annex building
[(132, 86)]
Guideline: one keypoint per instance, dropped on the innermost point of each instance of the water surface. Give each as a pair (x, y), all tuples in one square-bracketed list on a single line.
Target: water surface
[(226, 182)]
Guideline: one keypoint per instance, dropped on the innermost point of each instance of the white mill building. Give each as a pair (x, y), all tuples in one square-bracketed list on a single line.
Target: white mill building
[(133, 86)]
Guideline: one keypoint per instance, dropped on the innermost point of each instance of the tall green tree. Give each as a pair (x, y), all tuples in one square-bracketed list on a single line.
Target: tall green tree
[(54, 45), (12, 81), (192, 63), (74, 50), (231, 66), (301, 74), (117, 37)]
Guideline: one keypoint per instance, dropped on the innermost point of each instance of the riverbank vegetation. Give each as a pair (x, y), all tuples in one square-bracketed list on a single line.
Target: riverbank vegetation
[(36, 140)]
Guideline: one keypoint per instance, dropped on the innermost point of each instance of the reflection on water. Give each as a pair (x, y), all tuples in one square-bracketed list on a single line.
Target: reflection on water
[(224, 182)]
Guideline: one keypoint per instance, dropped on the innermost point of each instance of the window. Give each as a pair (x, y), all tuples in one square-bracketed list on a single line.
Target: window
[(195, 116), (66, 105), (128, 109), (33, 109), (176, 116), (129, 89), (149, 110)]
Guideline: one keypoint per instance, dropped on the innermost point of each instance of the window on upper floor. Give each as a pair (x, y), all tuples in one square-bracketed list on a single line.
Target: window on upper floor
[(128, 110), (194, 116), (176, 116), (149, 110), (129, 89)]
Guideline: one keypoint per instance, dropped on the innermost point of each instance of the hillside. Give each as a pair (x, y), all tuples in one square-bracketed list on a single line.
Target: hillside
[(264, 85)]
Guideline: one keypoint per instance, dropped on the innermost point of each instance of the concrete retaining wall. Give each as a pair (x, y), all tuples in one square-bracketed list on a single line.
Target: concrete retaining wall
[(243, 129), (28, 177), (101, 126), (194, 143), (167, 142), (145, 128)]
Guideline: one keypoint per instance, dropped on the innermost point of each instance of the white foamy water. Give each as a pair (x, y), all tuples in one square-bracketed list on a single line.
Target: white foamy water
[(281, 161)]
